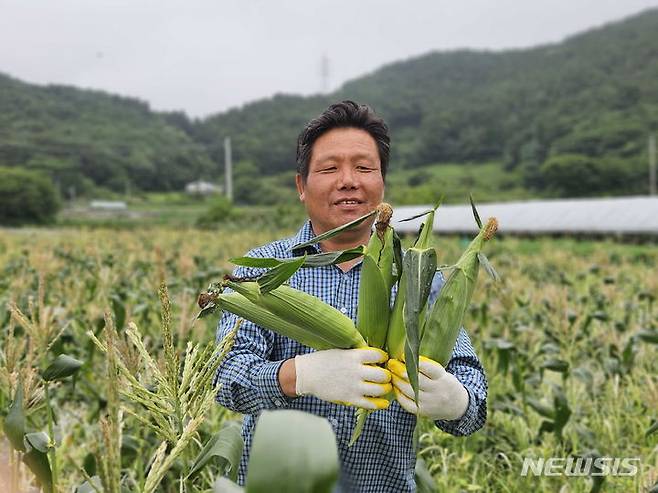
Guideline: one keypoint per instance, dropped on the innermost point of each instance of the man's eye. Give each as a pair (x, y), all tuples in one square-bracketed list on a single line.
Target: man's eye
[(328, 170), (363, 167)]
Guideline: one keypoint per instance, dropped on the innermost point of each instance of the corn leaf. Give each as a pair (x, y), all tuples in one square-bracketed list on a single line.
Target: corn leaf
[(424, 480), (209, 309), (64, 366), (652, 429), (274, 278), (15, 420), (484, 261), (416, 216), (299, 447), (315, 260), (475, 212), (226, 446), (93, 487), (397, 257), (38, 440), (336, 231), (424, 213), (37, 462), (225, 485), (263, 263), (648, 335), (419, 269), (361, 416)]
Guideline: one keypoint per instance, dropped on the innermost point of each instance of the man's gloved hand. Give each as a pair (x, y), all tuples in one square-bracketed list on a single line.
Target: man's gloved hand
[(344, 376), (440, 394)]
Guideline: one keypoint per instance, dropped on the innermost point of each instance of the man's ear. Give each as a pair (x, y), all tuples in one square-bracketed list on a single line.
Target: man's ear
[(299, 181)]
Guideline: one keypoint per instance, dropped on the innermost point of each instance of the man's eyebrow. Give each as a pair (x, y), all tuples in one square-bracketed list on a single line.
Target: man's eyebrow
[(357, 157), (336, 157), (328, 157)]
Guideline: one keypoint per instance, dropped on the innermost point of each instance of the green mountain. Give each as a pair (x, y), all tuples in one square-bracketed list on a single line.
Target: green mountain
[(88, 139), (569, 118), (592, 96)]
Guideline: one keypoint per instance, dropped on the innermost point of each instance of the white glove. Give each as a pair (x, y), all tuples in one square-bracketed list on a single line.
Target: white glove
[(440, 394), (344, 376)]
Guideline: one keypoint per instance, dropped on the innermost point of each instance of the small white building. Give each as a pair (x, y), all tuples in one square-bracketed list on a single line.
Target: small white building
[(108, 205), (201, 187)]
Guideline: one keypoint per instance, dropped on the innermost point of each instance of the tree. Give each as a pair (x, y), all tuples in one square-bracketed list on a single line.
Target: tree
[(26, 197), (575, 175)]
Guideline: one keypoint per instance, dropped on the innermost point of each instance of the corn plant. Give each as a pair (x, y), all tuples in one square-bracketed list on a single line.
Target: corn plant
[(170, 397)]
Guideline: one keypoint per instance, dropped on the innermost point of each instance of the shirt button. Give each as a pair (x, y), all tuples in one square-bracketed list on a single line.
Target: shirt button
[(277, 402), (333, 421), (343, 310)]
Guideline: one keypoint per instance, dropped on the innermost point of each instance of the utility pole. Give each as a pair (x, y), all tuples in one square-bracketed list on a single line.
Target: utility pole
[(652, 164), (228, 169)]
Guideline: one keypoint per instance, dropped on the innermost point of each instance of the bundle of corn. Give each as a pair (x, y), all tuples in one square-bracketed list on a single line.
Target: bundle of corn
[(305, 318), (268, 302), (377, 279), (402, 331)]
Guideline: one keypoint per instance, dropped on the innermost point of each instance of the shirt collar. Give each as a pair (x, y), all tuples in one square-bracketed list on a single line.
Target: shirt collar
[(304, 234)]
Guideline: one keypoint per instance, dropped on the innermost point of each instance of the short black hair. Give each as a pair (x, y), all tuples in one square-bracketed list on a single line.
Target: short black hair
[(346, 114)]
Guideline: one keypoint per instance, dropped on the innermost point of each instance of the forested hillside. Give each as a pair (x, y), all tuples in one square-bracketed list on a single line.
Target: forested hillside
[(88, 139), (589, 101), (565, 119)]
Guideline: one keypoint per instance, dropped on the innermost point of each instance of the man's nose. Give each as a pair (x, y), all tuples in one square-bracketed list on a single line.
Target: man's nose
[(347, 179)]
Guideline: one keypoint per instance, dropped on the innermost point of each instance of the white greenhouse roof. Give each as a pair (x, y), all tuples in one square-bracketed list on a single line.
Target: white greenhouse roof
[(624, 215)]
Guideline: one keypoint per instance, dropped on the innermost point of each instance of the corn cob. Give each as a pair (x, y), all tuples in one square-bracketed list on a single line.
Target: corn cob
[(303, 310), (396, 337), (242, 307), (445, 320), (375, 293), (376, 279)]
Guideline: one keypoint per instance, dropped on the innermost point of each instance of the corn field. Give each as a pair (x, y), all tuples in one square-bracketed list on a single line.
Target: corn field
[(568, 338)]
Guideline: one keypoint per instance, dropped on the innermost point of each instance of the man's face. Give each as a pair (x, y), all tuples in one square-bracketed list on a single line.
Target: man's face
[(344, 180)]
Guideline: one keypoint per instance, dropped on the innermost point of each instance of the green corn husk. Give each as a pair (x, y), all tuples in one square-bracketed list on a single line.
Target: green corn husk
[(372, 318), (419, 270), (303, 310), (445, 320), (397, 334), (376, 279), (396, 331), (375, 293), (242, 307)]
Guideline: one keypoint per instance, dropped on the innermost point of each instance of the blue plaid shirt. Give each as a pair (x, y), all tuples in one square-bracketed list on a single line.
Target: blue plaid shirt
[(383, 459)]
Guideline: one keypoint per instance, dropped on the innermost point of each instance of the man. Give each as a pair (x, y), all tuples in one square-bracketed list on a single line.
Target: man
[(342, 158)]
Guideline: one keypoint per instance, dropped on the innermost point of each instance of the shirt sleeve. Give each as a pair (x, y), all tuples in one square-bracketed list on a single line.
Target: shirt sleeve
[(466, 367), (247, 381)]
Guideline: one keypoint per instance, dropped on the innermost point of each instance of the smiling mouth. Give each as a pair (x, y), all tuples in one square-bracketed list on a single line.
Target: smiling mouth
[(348, 202)]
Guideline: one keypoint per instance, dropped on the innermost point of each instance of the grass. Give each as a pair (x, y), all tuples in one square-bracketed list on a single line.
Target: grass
[(487, 182)]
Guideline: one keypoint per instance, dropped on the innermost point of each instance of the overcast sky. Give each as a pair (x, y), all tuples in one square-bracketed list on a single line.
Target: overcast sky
[(205, 56)]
